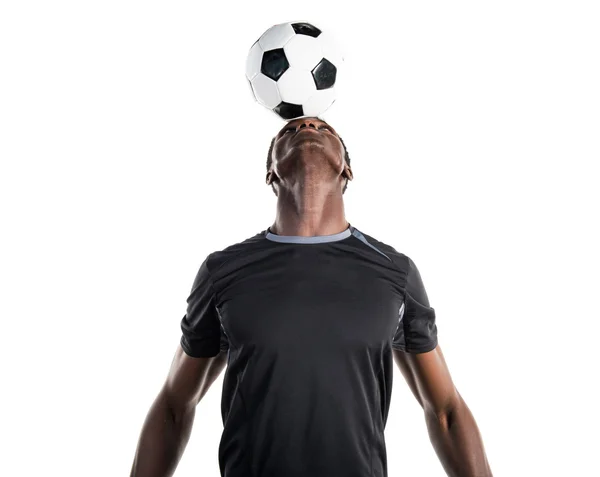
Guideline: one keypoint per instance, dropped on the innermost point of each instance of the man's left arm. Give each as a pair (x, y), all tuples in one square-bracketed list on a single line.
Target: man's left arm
[(452, 429)]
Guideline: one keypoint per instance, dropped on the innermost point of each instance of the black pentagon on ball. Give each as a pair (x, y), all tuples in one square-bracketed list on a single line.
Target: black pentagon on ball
[(306, 29), (289, 110), (324, 74), (274, 64)]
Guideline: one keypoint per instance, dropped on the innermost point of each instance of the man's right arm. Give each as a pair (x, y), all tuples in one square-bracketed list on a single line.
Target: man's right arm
[(168, 425)]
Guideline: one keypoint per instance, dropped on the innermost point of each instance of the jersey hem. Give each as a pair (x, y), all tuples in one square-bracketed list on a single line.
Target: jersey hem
[(196, 354), (421, 349)]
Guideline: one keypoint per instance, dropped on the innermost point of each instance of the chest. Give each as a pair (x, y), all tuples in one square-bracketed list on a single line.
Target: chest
[(310, 302)]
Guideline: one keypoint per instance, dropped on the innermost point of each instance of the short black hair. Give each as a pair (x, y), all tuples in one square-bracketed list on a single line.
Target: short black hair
[(270, 160)]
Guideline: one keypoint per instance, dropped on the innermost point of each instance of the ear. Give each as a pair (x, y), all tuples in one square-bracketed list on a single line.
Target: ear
[(348, 172), (269, 178)]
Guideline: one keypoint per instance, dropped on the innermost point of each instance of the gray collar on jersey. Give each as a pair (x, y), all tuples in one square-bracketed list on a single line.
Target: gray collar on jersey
[(314, 239)]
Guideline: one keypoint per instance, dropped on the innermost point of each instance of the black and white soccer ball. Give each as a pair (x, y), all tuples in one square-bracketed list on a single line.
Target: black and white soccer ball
[(293, 69)]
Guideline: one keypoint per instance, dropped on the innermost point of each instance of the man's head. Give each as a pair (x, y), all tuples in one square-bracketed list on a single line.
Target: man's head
[(307, 144)]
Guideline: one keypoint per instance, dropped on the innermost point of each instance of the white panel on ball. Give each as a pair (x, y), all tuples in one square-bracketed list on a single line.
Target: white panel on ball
[(303, 51), (253, 61), (296, 85), (319, 102), (331, 50), (276, 36), (265, 91)]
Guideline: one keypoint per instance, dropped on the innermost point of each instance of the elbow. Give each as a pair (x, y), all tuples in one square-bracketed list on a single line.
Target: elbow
[(446, 413), (173, 411)]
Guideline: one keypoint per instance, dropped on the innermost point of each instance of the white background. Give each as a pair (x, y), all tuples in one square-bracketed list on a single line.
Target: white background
[(131, 148)]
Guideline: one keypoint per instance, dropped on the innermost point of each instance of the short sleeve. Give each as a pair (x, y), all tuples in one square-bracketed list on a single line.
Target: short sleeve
[(417, 330), (202, 335)]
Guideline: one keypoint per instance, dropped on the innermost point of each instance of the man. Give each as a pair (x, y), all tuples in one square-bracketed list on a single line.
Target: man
[(309, 316)]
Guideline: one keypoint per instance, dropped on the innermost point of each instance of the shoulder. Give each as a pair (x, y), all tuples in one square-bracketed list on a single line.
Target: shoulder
[(400, 259), (217, 259)]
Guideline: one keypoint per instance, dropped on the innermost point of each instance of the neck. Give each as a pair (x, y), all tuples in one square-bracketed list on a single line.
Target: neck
[(310, 210)]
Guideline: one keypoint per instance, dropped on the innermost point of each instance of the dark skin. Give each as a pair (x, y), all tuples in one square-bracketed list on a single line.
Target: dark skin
[(308, 173)]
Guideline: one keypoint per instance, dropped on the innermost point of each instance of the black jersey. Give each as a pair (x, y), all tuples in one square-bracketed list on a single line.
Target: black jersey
[(308, 325)]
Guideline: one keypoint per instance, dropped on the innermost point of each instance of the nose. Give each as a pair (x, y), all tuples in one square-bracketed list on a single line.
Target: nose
[(308, 122)]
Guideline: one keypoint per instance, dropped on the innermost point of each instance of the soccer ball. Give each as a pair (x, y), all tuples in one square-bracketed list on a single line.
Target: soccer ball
[(293, 69)]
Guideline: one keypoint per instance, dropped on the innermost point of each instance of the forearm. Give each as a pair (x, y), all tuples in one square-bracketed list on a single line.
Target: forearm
[(457, 442), (162, 441)]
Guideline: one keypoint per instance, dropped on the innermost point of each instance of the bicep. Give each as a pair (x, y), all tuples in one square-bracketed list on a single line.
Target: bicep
[(190, 378), (429, 379)]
